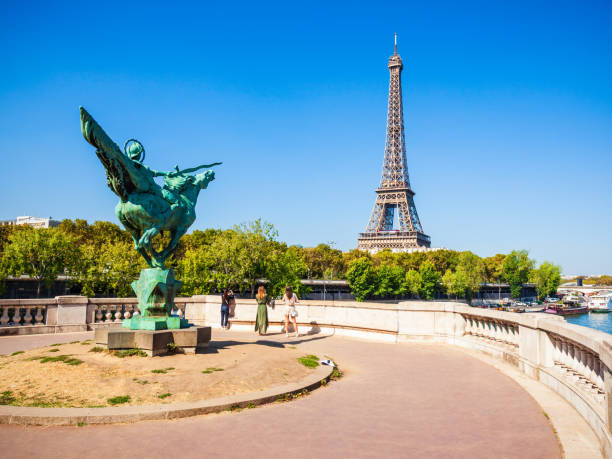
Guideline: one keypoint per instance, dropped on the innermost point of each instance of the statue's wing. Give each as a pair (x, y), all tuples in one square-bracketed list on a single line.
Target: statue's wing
[(123, 177)]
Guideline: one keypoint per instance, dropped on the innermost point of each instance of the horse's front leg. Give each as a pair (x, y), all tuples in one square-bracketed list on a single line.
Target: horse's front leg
[(176, 236)]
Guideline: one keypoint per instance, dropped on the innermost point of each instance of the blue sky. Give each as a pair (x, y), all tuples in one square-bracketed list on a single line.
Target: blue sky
[(507, 107)]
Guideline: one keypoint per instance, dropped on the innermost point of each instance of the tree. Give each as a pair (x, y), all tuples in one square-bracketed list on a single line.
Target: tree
[(470, 273), (389, 281), (430, 280), (546, 279), (323, 261), (413, 282), (286, 267), (493, 267), (42, 254), (516, 269), (455, 283), (443, 259), (361, 278), (256, 246)]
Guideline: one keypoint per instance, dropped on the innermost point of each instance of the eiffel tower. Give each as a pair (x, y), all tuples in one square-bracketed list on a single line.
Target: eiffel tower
[(394, 191)]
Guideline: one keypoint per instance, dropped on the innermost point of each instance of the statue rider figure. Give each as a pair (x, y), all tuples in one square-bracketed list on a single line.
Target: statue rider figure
[(174, 181)]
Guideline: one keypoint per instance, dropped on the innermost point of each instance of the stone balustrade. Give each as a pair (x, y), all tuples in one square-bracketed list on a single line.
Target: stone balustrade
[(573, 361)]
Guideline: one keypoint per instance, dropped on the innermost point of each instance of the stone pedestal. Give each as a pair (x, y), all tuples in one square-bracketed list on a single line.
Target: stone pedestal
[(155, 342)]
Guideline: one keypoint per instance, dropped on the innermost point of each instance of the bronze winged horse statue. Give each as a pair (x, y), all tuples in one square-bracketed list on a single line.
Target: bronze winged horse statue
[(145, 209)]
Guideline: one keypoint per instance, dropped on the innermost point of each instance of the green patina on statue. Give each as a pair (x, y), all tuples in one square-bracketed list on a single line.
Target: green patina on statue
[(145, 209)]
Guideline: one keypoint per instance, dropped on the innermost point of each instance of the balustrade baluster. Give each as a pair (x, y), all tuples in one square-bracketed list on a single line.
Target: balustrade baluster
[(98, 314), (38, 318), (118, 313), (109, 314), (27, 319), (4, 319), (17, 316), (128, 311)]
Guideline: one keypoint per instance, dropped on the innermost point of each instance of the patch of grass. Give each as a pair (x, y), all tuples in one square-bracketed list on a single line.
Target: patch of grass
[(207, 371), (96, 349), (6, 397), (17, 352), (235, 407), (86, 342), (545, 414), (74, 342), (172, 347), (163, 370), (167, 394), (80, 424), (40, 403), (57, 344), (214, 369), (119, 399), (53, 350), (310, 361), (250, 406), (130, 353), (59, 358)]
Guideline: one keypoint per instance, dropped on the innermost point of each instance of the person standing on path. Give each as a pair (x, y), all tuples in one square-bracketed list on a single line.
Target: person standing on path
[(228, 295), (261, 321), (290, 312)]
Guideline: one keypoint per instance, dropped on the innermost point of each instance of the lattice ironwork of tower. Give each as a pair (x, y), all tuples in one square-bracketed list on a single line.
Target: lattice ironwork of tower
[(394, 193)]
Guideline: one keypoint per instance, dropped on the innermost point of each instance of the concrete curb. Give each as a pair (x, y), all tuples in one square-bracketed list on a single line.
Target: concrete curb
[(23, 415)]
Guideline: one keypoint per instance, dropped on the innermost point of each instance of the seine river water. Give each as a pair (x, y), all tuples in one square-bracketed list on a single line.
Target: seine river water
[(601, 322)]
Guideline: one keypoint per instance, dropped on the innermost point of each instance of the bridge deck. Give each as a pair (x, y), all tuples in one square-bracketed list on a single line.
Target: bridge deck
[(409, 400)]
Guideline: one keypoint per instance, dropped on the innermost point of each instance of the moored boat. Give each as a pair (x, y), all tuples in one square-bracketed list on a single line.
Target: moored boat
[(562, 310), (600, 303)]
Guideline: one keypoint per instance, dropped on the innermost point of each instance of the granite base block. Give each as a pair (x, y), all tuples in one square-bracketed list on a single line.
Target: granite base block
[(155, 342)]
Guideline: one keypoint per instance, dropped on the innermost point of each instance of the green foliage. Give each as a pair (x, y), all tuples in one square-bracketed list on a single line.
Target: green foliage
[(17, 352), (413, 282), (516, 269), (493, 267), (323, 262), (42, 254), (96, 349), (59, 358), (163, 370), (7, 397), (547, 278), (361, 278), (119, 400), (167, 394), (310, 361), (430, 280), (389, 281), (470, 274)]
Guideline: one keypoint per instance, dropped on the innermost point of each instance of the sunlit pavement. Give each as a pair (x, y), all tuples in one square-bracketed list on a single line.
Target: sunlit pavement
[(395, 400)]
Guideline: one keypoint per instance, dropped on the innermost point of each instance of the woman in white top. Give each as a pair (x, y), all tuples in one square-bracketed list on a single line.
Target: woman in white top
[(290, 299)]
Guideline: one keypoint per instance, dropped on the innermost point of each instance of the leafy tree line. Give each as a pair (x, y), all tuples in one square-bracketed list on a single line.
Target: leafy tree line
[(427, 275), (100, 259)]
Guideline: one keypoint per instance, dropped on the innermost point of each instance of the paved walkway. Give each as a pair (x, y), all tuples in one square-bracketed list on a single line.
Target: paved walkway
[(407, 400)]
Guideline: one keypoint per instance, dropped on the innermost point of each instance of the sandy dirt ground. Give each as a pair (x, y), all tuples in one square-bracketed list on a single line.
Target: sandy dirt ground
[(228, 367)]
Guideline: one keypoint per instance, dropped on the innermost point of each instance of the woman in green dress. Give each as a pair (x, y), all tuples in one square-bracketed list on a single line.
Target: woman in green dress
[(261, 322)]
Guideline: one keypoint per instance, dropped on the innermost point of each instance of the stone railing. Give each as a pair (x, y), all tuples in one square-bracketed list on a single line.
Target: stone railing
[(69, 314), (573, 361)]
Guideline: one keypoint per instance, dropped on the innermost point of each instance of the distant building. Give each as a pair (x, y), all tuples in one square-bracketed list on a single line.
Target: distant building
[(35, 222)]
